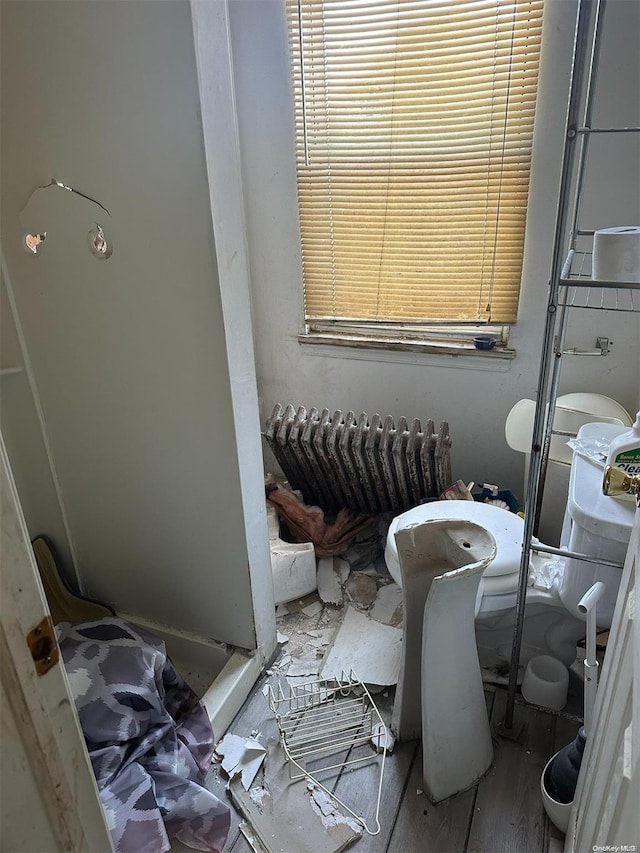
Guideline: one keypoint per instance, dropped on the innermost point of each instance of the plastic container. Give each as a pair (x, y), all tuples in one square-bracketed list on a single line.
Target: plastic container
[(484, 342), (624, 453), (546, 682)]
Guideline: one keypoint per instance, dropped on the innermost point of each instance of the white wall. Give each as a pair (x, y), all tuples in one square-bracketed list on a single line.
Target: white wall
[(474, 396), (128, 356)]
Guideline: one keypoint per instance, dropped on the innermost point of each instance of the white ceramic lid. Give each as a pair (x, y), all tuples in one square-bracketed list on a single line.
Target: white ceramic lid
[(506, 528), (572, 412)]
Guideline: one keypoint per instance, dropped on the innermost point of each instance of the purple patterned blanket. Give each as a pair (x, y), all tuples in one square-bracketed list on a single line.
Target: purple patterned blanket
[(149, 738)]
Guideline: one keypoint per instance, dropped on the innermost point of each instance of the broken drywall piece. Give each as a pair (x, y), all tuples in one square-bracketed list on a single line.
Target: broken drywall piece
[(297, 605), (241, 756), (368, 648), (307, 664), (312, 609), (285, 819), (342, 568), (382, 738), (282, 610), (387, 607), (320, 637), (328, 811), (296, 681), (329, 586), (251, 838), (283, 663), (281, 638), (258, 795), (361, 589)]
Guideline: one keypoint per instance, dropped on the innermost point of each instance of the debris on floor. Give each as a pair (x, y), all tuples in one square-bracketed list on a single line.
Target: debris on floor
[(312, 609), (241, 757), (324, 806), (329, 582), (282, 816), (306, 664), (295, 605), (387, 608), (369, 648), (382, 738), (342, 568), (361, 589)]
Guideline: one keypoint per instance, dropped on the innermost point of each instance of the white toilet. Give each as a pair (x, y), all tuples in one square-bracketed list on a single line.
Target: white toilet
[(594, 524)]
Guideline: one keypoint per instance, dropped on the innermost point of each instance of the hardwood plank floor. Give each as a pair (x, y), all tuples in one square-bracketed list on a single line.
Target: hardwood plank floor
[(504, 814), (422, 826), (508, 814)]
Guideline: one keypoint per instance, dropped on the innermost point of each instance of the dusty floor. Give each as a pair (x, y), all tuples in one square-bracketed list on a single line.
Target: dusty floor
[(502, 813)]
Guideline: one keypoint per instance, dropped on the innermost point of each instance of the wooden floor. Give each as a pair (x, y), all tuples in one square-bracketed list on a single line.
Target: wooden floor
[(504, 814)]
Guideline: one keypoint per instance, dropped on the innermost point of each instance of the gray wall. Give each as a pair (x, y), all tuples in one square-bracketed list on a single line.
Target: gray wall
[(474, 396), (127, 356)]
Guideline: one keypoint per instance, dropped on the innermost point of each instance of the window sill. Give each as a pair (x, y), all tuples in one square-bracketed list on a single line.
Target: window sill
[(390, 344)]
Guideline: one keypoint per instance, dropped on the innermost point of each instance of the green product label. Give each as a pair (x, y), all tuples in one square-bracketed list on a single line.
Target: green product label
[(629, 461), (628, 457)]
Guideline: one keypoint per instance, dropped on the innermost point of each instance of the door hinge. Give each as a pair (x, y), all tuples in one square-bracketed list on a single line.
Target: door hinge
[(43, 646)]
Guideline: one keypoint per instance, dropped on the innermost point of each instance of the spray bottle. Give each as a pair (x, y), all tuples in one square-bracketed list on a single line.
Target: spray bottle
[(624, 452)]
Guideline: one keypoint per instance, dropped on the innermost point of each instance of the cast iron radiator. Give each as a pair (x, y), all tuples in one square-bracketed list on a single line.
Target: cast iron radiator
[(366, 465)]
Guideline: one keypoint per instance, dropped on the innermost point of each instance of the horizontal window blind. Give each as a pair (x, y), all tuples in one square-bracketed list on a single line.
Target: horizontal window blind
[(414, 123)]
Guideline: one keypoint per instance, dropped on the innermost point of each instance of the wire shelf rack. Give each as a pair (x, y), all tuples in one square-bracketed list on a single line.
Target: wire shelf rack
[(577, 288), (327, 725)]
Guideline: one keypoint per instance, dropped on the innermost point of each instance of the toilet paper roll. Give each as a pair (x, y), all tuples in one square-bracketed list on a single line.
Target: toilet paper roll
[(616, 254)]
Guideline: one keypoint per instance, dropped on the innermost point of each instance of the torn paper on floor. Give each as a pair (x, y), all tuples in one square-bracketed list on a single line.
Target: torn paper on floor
[(368, 648), (241, 756)]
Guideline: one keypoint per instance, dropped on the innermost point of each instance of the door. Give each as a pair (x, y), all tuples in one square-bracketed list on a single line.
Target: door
[(605, 812), (49, 795)]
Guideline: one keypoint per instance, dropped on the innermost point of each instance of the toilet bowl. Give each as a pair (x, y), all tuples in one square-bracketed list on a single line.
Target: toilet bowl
[(594, 524)]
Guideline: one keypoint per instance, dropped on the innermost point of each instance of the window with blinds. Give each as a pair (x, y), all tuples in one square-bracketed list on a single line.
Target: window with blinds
[(414, 124)]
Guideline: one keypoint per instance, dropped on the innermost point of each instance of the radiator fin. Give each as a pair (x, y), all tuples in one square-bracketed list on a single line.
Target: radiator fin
[(365, 464)]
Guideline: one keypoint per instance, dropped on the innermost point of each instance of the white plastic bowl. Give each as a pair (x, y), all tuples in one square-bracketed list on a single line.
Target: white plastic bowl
[(546, 682)]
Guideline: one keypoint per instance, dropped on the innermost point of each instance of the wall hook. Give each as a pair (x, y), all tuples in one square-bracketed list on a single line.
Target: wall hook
[(100, 245)]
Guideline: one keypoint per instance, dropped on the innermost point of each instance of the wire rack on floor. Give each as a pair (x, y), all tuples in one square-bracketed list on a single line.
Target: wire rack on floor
[(330, 724)]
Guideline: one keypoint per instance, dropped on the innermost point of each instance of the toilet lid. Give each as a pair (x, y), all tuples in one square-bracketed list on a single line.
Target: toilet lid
[(506, 528)]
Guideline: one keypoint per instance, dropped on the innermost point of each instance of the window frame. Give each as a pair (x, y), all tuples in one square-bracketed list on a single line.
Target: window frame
[(448, 336)]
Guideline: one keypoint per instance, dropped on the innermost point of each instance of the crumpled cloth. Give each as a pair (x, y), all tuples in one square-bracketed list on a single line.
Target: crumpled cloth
[(149, 738)]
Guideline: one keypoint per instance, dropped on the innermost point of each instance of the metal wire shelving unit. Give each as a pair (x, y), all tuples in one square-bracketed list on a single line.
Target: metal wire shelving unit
[(331, 724), (571, 286)]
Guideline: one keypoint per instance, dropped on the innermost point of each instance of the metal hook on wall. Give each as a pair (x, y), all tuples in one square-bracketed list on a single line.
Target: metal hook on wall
[(56, 183), (100, 245)]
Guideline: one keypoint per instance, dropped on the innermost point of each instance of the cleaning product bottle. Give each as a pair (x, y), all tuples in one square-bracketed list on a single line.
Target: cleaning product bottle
[(624, 452)]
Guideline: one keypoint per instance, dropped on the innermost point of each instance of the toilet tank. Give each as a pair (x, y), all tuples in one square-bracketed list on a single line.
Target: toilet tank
[(597, 525)]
